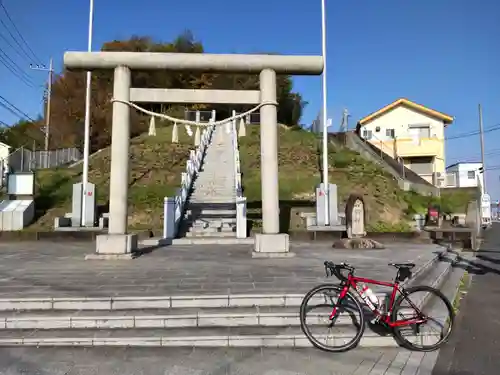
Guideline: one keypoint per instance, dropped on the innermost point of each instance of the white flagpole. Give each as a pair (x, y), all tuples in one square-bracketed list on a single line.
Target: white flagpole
[(324, 115), (86, 141)]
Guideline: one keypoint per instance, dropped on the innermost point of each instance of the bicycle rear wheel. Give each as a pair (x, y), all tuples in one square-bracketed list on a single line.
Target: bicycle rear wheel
[(435, 308), (348, 321)]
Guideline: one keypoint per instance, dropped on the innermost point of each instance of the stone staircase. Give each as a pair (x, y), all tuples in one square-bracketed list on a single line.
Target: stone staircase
[(234, 320), (211, 207)]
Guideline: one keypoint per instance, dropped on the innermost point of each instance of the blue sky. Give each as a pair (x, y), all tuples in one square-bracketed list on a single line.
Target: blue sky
[(440, 53)]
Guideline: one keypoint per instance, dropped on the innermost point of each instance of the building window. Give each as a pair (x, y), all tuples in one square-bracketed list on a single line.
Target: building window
[(367, 134), (471, 175), (389, 133), (377, 129), (420, 131)]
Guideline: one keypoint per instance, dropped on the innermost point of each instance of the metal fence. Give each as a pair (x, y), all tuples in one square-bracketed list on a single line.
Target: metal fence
[(205, 116), (252, 118), (24, 159)]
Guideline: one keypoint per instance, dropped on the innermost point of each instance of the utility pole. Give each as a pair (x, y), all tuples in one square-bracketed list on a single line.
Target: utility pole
[(481, 137), (50, 70)]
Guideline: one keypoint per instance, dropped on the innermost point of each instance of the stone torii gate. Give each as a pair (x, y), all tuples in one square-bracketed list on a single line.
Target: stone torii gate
[(120, 243)]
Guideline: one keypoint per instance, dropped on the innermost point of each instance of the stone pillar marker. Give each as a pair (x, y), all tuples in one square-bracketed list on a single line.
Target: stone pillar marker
[(270, 243), (117, 243), (355, 216)]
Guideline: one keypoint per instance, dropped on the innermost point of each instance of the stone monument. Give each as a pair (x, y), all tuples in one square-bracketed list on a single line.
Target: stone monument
[(355, 216)]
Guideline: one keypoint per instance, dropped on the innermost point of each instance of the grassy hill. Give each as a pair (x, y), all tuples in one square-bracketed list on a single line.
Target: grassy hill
[(299, 173), (155, 166)]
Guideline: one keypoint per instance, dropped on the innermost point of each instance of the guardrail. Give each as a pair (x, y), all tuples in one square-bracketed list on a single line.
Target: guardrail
[(173, 207), (241, 201)]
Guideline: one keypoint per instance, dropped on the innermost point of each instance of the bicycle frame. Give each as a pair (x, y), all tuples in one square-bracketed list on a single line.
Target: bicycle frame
[(385, 317)]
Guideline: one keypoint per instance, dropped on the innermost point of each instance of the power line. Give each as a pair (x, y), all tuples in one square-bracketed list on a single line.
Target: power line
[(494, 151), (14, 72), (16, 41), (34, 56), (473, 133), (11, 65), (20, 113), (14, 48), (9, 109), (492, 168)]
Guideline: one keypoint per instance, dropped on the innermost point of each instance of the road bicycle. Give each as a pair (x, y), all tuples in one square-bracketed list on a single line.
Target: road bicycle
[(399, 312)]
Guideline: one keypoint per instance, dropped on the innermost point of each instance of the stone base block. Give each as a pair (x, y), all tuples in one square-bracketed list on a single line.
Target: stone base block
[(116, 244), (272, 243), (96, 256), (272, 255)]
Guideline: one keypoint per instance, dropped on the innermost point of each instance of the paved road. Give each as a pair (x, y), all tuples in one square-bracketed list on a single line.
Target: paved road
[(474, 348), (59, 270), (153, 361)]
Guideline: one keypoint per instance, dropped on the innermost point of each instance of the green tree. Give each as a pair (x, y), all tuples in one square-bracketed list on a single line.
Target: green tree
[(68, 95)]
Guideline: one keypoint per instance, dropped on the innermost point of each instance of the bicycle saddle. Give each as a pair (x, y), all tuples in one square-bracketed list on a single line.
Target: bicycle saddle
[(402, 265)]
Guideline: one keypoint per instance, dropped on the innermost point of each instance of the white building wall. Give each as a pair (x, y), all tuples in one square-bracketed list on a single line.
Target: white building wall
[(4, 154), (466, 174)]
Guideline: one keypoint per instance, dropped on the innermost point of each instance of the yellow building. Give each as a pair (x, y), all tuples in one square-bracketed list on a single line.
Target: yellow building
[(412, 133)]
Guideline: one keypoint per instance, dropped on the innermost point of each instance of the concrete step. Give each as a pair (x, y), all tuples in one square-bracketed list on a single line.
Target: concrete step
[(188, 321), (200, 197), (267, 320), (220, 185), (205, 233), (208, 186), (437, 272), (205, 229), (211, 208), (213, 220), (224, 215), (141, 303), (450, 286), (225, 241), (212, 201), (183, 337), (212, 223), (219, 178), (162, 318), (210, 228), (224, 190)]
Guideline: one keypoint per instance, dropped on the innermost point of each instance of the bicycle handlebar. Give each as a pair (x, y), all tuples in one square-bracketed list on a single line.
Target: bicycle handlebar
[(336, 269)]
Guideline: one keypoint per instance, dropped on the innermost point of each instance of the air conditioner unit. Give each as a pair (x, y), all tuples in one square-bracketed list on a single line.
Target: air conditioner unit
[(440, 179)]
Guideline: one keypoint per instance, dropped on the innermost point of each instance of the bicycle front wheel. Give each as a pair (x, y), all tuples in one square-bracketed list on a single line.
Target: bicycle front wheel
[(343, 331), (433, 308)]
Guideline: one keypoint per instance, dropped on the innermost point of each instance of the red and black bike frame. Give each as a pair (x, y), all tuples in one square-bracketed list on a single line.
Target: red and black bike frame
[(385, 317)]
